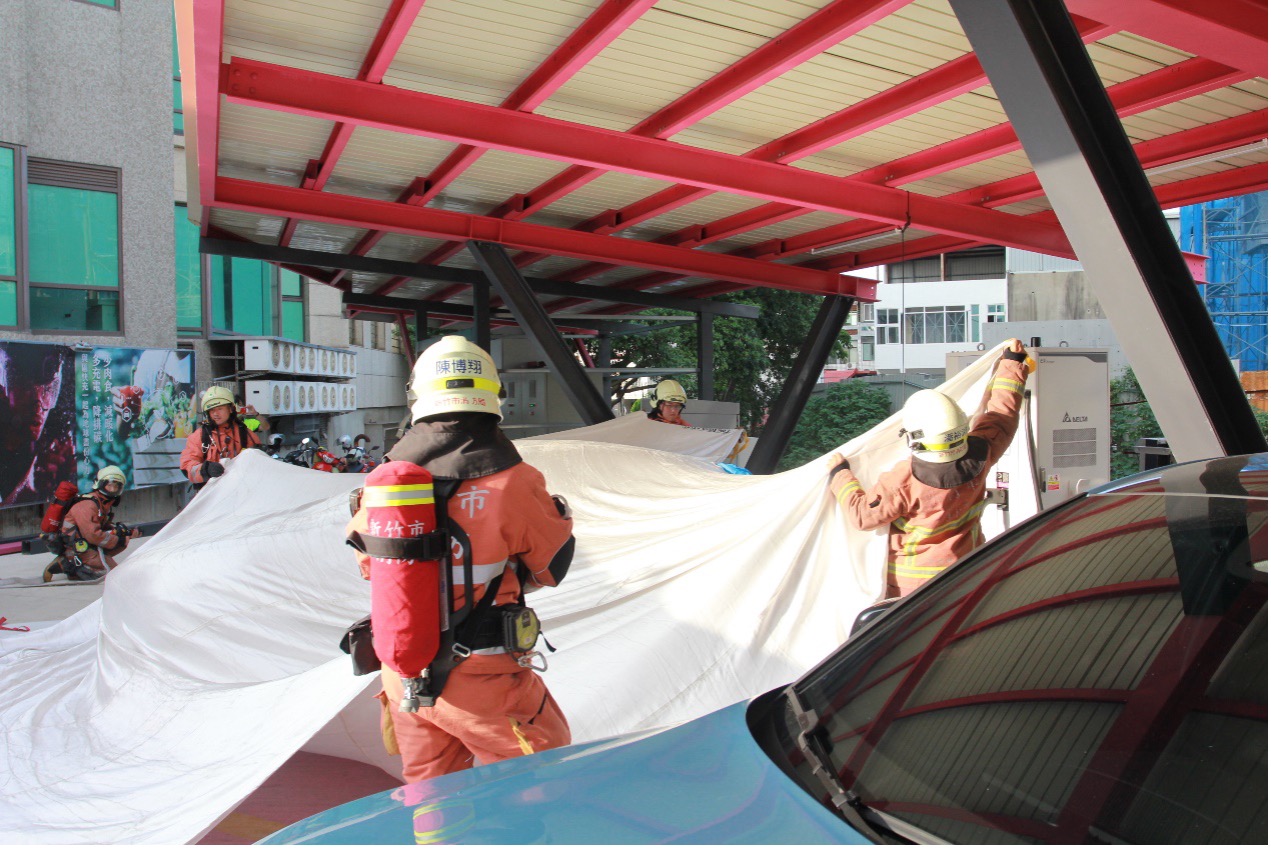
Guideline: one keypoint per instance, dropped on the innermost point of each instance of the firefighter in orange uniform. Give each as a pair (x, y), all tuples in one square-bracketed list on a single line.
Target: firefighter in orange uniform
[(90, 534), (494, 705), (221, 437), (669, 399), (933, 499)]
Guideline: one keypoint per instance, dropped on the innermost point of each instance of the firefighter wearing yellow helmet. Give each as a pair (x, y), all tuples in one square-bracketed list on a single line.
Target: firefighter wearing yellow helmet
[(492, 705), (668, 402), (89, 536), (932, 500), (220, 437)]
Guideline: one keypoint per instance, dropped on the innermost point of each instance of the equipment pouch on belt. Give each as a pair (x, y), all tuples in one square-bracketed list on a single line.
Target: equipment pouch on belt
[(357, 644), (520, 627)]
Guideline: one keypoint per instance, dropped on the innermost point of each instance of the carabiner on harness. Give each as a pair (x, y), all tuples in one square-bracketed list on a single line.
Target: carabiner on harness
[(527, 661)]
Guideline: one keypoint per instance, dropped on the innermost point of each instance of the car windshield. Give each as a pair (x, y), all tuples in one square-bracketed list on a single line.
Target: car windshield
[(1098, 675)]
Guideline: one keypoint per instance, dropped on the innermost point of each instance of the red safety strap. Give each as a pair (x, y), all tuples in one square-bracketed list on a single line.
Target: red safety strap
[(4, 627)]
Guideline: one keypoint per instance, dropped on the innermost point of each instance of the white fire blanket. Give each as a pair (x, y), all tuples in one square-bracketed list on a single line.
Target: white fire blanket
[(212, 656), (706, 443)]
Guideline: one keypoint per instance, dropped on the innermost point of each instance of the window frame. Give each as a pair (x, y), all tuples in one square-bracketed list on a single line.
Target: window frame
[(24, 260), (19, 237)]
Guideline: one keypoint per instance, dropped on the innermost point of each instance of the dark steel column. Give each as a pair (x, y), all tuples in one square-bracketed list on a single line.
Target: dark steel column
[(1058, 107), (529, 313), (481, 314), (604, 357), (421, 326), (798, 386), (706, 356)]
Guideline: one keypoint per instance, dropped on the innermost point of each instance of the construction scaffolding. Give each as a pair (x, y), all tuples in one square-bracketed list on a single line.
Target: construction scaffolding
[(1232, 233)]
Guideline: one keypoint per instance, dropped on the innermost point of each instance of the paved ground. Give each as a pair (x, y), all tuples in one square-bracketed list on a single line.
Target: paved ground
[(305, 785)]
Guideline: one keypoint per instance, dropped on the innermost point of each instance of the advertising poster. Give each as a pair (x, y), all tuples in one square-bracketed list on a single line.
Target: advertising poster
[(37, 420), (134, 408)]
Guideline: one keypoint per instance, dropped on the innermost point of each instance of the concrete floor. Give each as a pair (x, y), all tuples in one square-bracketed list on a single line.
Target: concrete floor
[(305, 785)]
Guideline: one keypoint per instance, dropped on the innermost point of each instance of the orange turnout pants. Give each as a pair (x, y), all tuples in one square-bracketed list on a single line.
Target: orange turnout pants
[(491, 709)]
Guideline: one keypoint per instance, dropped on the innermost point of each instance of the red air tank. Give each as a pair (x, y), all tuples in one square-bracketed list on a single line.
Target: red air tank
[(406, 612)]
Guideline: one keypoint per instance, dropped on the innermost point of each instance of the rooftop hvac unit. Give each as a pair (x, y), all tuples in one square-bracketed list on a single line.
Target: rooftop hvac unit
[(302, 404), (271, 397), (330, 397), (288, 356), (352, 397), (352, 372), (324, 361), (344, 398)]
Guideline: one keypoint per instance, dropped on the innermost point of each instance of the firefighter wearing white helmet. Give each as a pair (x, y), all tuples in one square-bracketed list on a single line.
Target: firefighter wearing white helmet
[(493, 705), (90, 536), (932, 500), (669, 399), (220, 437)]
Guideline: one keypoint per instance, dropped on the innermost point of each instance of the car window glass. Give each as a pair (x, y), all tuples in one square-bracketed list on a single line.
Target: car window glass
[(1100, 678)]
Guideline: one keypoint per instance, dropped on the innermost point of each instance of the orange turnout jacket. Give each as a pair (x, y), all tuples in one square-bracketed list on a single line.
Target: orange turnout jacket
[(226, 441), (90, 520), (491, 708), (934, 508)]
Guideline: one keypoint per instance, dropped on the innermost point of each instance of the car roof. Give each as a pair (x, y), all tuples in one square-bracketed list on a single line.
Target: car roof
[(1240, 476)]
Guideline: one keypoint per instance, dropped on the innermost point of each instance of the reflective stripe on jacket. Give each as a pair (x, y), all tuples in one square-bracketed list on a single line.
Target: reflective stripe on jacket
[(932, 528), (226, 442)]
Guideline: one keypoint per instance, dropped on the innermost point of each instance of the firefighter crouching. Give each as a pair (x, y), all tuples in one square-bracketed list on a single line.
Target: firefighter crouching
[(219, 437), (933, 499), (90, 537), (481, 697)]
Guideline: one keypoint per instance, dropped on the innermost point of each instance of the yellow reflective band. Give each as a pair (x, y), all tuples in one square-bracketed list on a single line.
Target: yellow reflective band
[(942, 446), (852, 486), (392, 501), (1008, 384), (439, 385), (917, 533), (401, 487)]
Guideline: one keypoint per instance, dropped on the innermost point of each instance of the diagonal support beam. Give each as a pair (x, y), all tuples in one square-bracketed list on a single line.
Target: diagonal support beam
[(333, 98), (1049, 88), (515, 292), (794, 396)]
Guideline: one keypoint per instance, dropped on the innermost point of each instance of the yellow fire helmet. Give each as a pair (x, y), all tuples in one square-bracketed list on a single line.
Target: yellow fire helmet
[(670, 390), (935, 426), (454, 376), (108, 474), (217, 396)]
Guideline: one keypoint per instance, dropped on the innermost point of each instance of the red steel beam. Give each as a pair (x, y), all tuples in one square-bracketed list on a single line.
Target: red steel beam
[(1132, 96), (320, 95), (388, 40), (348, 211), (605, 24), (1234, 31), (914, 95), (206, 22), (812, 36)]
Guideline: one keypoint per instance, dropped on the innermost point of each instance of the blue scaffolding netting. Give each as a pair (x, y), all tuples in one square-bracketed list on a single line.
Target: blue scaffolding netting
[(1232, 233)]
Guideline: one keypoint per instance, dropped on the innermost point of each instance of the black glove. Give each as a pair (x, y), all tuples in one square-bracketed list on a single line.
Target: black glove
[(1017, 356), (211, 469), (562, 506), (843, 466)]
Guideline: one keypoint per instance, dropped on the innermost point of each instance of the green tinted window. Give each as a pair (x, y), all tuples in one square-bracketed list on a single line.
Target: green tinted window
[(189, 290), (290, 283), (74, 236), (8, 215), (110, 3), (253, 297), (74, 309), (293, 320), (178, 120), (220, 294), (8, 303)]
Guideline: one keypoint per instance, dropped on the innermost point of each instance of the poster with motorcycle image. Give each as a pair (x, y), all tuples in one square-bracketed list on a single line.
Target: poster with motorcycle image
[(134, 409)]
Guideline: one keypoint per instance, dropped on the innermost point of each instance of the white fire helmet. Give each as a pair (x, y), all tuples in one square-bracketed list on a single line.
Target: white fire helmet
[(935, 427), (454, 376), (669, 390)]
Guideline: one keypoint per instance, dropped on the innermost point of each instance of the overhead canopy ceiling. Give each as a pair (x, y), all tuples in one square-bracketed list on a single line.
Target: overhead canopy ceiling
[(687, 146)]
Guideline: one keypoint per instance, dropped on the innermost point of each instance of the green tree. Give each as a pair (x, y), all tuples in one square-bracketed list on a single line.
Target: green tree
[(843, 411), (1132, 420), (752, 356)]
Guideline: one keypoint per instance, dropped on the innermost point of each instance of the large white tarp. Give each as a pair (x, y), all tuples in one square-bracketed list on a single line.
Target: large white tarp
[(212, 655)]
